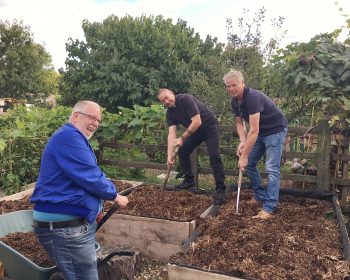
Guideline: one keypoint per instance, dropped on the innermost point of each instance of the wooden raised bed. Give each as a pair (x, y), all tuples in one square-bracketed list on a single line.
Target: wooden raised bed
[(30, 188), (276, 254), (158, 238)]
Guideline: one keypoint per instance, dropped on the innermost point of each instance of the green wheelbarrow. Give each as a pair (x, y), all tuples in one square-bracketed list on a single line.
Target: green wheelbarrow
[(16, 265)]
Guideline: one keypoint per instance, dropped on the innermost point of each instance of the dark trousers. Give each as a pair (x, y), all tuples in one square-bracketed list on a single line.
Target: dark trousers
[(208, 133)]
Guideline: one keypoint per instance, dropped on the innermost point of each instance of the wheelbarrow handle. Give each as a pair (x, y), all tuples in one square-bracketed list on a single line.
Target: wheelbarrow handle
[(109, 213)]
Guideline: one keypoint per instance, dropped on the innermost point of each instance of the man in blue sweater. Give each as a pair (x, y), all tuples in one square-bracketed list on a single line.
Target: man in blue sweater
[(267, 131), (69, 193)]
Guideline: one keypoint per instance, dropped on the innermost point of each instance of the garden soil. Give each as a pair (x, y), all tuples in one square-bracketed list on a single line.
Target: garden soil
[(301, 241)]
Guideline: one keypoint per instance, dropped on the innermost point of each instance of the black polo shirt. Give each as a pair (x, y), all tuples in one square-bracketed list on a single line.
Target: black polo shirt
[(272, 119), (186, 107)]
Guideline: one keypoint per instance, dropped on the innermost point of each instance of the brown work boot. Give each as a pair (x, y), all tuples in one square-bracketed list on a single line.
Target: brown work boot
[(263, 215)]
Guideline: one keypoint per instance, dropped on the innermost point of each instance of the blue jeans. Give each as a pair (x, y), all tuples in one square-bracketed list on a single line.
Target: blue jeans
[(72, 250), (272, 145)]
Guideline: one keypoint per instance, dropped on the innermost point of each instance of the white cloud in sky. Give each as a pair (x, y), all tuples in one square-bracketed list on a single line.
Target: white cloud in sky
[(53, 21)]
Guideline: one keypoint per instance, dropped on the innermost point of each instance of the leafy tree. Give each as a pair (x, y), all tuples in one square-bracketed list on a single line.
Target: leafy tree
[(208, 87), (25, 67), (316, 78), (246, 50), (125, 60)]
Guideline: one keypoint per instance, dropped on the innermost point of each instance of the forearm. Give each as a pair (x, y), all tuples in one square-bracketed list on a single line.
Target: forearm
[(189, 131), (171, 140), (242, 134), (249, 143), (193, 127)]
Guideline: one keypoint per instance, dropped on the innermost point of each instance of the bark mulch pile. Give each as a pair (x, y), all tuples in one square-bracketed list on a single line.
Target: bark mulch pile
[(27, 245), (299, 242), (24, 204), (151, 201), (15, 205)]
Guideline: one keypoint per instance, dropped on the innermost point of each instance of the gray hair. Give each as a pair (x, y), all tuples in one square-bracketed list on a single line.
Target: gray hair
[(233, 74), (81, 105)]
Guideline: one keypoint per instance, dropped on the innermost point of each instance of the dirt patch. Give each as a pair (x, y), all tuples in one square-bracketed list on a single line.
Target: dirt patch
[(299, 242), (151, 270), (151, 201)]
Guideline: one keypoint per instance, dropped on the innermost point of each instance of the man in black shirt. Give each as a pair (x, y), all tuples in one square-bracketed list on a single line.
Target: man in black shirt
[(201, 126), (267, 131)]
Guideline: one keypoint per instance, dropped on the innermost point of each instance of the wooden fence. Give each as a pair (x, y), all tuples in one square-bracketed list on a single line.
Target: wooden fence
[(330, 155)]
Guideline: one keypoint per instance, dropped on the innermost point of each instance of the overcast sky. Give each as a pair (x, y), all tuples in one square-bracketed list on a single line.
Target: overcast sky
[(53, 21)]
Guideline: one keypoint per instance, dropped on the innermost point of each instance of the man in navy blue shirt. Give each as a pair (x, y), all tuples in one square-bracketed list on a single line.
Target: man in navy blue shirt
[(201, 126), (267, 131)]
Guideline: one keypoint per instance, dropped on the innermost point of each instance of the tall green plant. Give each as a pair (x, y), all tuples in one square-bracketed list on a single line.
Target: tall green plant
[(23, 135), (140, 125)]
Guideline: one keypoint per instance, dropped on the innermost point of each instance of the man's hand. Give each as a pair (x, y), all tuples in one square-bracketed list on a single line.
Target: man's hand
[(170, 162), (99, 217), (121, 200), (179, 142), (240, 149), (172, 157), (242, 163)]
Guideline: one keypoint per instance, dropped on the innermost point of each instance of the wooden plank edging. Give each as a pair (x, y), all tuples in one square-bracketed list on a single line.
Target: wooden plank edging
[(29, 190), (177, 272)]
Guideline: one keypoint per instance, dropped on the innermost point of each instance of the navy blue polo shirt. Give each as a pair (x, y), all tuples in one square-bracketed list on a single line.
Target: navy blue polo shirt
[(186, 107), (272, 119)]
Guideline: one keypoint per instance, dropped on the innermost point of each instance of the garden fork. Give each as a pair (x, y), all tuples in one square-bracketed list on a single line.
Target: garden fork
[(239, 189), (175, 150)]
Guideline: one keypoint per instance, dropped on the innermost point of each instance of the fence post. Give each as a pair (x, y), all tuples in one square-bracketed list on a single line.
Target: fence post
[(194, 165), (323, 158), (99, 152), (345, 163), (345, 193)]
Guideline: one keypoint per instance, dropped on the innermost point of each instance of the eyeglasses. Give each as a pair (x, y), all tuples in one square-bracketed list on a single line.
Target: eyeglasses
[(92, 118)]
